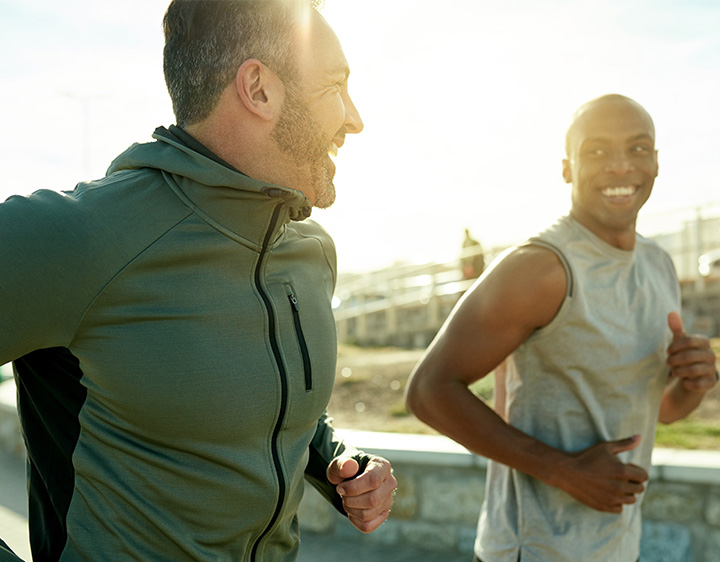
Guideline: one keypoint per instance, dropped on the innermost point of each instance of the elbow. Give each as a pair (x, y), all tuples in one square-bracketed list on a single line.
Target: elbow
[(411, 398), (414, 397), (419, 395)]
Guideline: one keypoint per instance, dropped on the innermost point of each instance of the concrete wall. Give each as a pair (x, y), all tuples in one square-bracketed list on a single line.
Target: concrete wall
[(441, 487), (10, 438)]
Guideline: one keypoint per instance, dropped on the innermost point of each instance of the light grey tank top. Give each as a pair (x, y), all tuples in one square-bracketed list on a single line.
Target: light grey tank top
[(595, 373)]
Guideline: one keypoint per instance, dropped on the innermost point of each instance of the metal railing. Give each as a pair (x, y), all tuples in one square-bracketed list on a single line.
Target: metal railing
[(405, 305)]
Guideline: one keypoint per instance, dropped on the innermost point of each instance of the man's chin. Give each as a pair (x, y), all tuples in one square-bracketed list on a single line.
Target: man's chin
[(325, 198), (325, 189)]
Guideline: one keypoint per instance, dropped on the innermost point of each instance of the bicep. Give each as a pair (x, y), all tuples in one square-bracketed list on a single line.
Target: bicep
[(520, 294)]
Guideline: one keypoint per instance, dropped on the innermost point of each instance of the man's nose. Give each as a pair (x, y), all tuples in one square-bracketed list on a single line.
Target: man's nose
[(353, 121), (619, 163)]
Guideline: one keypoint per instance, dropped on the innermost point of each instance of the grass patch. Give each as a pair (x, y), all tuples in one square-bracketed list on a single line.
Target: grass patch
[(398, 409), (715, 344), (376, 377), (687, 434), (484, 387), (352, 380)]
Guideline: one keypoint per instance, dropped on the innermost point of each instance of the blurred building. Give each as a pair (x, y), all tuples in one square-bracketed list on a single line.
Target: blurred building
[(406, 305)]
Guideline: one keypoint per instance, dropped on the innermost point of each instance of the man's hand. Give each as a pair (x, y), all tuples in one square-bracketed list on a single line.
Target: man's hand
[(690, 358), (598, 479), (366, 497)]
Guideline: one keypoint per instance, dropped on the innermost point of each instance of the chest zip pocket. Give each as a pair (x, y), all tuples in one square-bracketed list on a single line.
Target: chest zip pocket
[(307, 367)]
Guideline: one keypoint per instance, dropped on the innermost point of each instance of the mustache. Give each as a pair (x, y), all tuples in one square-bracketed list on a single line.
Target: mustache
[(340, 135)]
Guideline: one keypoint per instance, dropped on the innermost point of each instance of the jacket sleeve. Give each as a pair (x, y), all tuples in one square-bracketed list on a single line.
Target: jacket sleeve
[(324, 447), (42, 264)]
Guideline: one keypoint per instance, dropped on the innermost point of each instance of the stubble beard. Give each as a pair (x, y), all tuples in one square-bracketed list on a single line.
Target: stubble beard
[(299, 136)]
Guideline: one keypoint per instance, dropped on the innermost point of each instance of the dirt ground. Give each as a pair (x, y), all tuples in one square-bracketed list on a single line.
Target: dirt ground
[(369, 387), (370, 382)]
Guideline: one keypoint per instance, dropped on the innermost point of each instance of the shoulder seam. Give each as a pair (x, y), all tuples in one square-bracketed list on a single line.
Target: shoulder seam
[(119, 271), (563, 260)]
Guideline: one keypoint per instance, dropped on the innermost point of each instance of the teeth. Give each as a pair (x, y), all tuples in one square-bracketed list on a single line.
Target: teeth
[(618, 191), (333, 151)]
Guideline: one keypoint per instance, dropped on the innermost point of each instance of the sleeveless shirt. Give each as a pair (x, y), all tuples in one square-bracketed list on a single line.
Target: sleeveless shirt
[(595, 373)]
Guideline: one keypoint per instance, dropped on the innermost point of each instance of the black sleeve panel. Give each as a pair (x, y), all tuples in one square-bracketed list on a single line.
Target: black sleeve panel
[(324, 447)]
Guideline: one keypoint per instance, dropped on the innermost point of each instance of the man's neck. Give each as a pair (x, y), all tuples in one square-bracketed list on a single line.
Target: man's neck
[(191, 142), (622, 237)]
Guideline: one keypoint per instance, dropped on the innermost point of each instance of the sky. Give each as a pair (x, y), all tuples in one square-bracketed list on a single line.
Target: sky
[(465, 105)]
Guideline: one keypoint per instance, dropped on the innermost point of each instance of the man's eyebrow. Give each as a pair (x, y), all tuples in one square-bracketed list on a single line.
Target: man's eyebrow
[(641, 136), (341, 70), (592, 140)]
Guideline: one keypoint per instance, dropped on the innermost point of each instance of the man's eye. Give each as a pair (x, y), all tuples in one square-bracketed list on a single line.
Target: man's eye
[(595, 152), (640, 149)]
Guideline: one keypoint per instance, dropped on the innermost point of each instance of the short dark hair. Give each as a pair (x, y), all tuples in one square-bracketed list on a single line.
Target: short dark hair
[(207, 40)]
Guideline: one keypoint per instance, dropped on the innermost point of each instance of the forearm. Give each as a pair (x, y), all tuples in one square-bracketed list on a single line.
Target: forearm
[(677, 401), (452, 409)]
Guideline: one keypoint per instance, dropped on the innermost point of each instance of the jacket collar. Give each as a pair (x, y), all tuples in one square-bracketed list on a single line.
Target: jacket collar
[(215, 189)]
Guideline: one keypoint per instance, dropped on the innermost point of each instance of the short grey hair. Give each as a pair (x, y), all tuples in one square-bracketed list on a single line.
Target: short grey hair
[(206, 41)]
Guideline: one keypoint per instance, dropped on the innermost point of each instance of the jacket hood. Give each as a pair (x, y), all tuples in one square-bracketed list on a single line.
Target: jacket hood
[(168, 154)]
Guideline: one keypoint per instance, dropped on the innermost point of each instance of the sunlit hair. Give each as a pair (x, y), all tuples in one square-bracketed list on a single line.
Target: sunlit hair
[(207, 40)]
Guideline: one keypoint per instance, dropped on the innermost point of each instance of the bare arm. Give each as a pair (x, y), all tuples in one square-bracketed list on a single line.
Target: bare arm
[(521, 294), (692, 372)]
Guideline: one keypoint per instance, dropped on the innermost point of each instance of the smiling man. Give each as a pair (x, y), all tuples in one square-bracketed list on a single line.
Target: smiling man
[(612, 164), (584, 320), (171, 324)]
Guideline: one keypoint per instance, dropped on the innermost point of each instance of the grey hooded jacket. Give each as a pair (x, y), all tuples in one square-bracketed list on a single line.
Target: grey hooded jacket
[(174, 348)]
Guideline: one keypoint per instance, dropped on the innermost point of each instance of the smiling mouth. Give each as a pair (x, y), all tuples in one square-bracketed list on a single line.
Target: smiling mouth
[(621, 191)]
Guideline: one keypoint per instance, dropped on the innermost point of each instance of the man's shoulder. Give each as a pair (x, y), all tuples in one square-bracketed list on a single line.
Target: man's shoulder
[(537, 263), (27, 218), (655, 256), (309, 229), (530, 275), (312, 229), (91, 209), (648, 245), (91, 231)]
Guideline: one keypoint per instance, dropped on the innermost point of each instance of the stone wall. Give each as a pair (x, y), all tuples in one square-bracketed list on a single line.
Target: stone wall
[(441, 486)]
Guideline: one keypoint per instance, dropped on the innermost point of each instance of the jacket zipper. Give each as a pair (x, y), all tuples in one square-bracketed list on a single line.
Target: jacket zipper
[(307, 366), (283, 386)]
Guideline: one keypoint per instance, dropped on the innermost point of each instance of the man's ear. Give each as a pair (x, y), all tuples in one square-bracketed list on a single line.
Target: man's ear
[(566, 171), (259, 89)]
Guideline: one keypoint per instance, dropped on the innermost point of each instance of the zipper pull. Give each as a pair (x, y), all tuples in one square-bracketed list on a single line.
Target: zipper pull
[(294, 302)]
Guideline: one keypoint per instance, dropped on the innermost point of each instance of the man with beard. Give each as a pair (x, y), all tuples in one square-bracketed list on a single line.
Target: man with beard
[(170, 324), (587, 312)]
